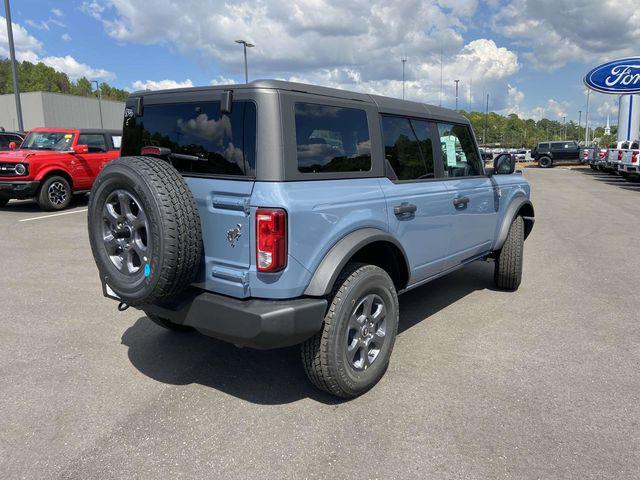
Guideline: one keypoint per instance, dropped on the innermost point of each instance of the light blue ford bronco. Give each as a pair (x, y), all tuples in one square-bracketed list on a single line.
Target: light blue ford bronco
[(275, 214)]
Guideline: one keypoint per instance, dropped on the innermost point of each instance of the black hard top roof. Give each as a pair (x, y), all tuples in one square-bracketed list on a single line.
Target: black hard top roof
[(384, 104), (97, 131)]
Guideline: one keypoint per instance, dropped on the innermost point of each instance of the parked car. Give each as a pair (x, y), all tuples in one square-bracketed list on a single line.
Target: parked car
[(8, 138), (548, 153), (629, 166), (486, 154), (295, 214), (54, 164), (521, 154)]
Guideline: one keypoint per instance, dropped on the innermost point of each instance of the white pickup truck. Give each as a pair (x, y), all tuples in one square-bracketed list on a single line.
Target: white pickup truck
[(629, 160)]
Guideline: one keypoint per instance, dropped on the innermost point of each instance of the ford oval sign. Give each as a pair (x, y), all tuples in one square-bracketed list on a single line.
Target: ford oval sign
[(620, 77)]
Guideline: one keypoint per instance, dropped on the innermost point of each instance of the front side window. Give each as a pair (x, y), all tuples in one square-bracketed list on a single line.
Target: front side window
[(96, 143), (408, 148), (196, 137), (459, 152), (331, 139), (59, 141)]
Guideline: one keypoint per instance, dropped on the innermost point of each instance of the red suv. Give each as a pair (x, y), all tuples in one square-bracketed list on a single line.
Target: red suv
[(52, 164)]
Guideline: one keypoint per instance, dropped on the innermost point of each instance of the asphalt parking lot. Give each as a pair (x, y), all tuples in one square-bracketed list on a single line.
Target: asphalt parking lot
[(542, 383)]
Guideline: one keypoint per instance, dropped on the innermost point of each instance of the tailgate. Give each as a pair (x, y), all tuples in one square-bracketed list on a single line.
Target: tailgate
[(226, 234)]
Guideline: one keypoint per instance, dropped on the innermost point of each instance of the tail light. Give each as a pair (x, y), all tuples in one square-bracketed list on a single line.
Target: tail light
[(619, 155), (634, 156), (271, 239)]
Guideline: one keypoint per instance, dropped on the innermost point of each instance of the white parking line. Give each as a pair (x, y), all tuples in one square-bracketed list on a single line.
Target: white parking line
[(53, 215)]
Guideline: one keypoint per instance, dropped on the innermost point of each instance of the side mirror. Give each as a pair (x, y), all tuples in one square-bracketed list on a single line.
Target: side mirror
[(13, 145), (504, 164), (81, 149)]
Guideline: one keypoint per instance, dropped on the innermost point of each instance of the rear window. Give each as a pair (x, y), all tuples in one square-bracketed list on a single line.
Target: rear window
[(332, 139), (199, 139), (95, 142)]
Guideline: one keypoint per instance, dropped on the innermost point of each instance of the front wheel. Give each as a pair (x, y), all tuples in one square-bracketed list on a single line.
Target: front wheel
[(508, 267), (55, 194), (352, 351)]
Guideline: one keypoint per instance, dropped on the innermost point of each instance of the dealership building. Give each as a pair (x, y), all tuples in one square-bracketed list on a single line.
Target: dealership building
[(43, 109)]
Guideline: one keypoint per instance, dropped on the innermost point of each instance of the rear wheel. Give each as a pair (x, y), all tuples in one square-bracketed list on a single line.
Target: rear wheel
[(508, 267), (352, 351), (168, 324), (55, 194), (545, 162)]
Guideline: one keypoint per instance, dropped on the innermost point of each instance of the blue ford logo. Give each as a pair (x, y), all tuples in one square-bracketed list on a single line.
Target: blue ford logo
[(620, 76)]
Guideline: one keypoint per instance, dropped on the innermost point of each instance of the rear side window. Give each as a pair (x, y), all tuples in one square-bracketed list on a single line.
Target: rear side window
[(196, 137), (459, 152), (117, 141), (332, 139), (408, 148), (96, 143)]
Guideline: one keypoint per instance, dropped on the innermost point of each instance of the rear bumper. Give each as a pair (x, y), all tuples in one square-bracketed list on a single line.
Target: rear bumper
[(623, 167), (256, 323), (19, 189)]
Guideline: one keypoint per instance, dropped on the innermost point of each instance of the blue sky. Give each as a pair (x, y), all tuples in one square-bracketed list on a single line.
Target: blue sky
[(526, 55)]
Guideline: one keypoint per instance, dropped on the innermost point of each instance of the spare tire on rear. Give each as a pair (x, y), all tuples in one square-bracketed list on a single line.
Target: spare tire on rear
[(144, 230)]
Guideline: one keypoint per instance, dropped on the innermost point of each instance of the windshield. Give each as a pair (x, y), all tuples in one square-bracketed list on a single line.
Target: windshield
[(60, 141)]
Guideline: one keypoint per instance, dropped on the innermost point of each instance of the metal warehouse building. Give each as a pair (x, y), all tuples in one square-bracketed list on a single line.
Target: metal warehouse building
[(43, 109)]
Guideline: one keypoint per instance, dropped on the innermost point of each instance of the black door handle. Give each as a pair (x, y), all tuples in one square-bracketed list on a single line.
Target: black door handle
[(459, 202), (404, 208)]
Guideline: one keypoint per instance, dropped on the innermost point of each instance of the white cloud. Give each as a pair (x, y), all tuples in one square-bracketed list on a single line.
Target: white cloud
[(57, 12), (220, 80), (553, 110), (160, 84), (30, 49), (66, 37), (351, 44), (75, 69), (27, 46), (552, 33)]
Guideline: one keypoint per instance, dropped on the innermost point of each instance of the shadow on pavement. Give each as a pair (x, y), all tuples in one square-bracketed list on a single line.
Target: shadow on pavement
[(613, 179), (272, 377), (30, 206)]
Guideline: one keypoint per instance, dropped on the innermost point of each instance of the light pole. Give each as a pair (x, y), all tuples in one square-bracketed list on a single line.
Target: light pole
[(486, 119), (564, 128), (99, 101), (246, 45), (404, 60), (14, 66), (457, 82), (586, 119)]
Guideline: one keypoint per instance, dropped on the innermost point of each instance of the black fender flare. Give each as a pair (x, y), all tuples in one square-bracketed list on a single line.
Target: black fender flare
[(339, 255), (512, 211)]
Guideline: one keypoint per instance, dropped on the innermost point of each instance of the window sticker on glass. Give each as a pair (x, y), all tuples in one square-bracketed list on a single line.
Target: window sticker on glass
[(68, 135), (449, 150)]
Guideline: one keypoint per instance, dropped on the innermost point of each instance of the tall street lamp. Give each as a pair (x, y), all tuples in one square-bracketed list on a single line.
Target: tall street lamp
[(404, 60), (457, 82), (14, 66), (99, 101), (246, 45)]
